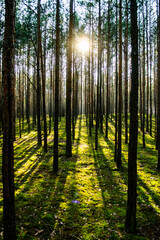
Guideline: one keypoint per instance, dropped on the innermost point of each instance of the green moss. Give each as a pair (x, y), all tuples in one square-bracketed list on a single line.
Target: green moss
[(44, 201)]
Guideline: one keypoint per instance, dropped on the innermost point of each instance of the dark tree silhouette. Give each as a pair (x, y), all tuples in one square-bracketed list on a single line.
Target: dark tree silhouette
[(130, 223), (119, 161), (8, 76), (158, 114), (38, 79), (68, 87), (55, 163)]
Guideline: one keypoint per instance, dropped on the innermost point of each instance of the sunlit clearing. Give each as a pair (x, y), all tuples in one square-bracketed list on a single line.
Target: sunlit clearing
[(83, 45)]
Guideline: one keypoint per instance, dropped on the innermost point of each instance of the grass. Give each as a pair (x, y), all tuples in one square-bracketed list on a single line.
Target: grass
[(87, 199)]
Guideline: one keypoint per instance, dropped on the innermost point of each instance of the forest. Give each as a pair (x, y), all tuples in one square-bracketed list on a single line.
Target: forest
[(80, 119)]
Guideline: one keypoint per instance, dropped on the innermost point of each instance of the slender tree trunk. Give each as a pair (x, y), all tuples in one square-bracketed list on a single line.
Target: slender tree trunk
[(147, 110), (23, 84), (51, 97), (76, 93), (19, 104), (130, 223), (68, 87), (143, 125), (116, 100), (108, 70), (119, 162), (155, 93), (8, 75), (38, 82), (98, 80), (55, 163), (28, 89), (158, 104), (34, 96), (92, 73), (150, 74), (1, 112), (89, 76), (126, 75), (43, 83), (60, 87), (73, 91), (81, 84), (100, 73)]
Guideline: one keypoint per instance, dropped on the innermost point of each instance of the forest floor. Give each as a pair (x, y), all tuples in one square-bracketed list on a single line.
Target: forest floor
[(87, 199)]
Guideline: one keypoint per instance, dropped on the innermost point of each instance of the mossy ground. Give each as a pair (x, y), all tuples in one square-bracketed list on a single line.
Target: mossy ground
[(44, 201)]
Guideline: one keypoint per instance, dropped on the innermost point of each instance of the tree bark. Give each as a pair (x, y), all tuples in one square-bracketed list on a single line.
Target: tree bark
[(147, 107), (150, 74), (38, 82), (158, 103), (98, 79), (43, 79), (119, 161), (68, 87), (55, 162), (144, 82), (108, 70), (130, 223), (28, 88), (8, 76), (116, 83), (126, 75)]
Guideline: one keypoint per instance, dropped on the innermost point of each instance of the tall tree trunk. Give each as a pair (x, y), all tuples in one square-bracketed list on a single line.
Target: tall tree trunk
[(116, 83), (68, 87), (34, 96), (100, 72), (19, 103), (60, 87), (28, 89), (150, 74), (43, 82), (108, 70), (38, 81), (81, 83), (155, 92), (73, 88), (1, 112), (23, 85), (130, 223), (140, 77), (147, 110), (51, 97), (43, 70), (76, 94), (89, 75), (119, 162), (144, 59), (158, 104), (55, 163), (92, 72), (8, 75), (126, 75), (98, 78)]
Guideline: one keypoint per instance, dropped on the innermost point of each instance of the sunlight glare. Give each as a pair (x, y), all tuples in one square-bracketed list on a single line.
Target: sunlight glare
[(83, 45)]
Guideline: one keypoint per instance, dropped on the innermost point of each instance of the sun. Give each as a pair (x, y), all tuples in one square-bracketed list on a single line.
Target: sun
[(83, 45)]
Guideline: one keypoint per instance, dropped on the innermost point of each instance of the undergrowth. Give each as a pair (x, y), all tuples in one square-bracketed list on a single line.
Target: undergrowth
[(87, 199)]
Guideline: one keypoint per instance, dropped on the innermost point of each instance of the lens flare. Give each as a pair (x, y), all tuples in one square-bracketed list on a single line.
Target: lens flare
[(83, 45)]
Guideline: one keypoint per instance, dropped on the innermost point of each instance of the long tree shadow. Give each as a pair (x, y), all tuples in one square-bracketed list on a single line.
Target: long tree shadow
[(113, 203), (146, 210), (75, 210), (41, 202), (64, 209)]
